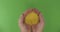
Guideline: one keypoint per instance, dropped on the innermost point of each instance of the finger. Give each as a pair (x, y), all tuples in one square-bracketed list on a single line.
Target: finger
[(28, 28), (36, 11), (41, 18), (34, 28), (27, 11), (21, 19)]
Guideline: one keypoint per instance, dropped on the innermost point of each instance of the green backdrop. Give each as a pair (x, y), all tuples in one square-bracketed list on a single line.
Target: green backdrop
[(10, 10)]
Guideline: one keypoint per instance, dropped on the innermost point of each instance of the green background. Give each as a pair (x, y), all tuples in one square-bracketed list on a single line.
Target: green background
[(10, 10)]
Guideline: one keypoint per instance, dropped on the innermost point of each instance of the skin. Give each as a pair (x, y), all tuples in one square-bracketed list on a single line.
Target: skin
[(35, 28)]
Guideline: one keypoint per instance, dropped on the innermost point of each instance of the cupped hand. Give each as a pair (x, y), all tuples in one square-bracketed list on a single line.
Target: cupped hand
[(23, 27)]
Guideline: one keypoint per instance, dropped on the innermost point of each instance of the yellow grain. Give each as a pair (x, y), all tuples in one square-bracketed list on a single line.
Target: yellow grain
[(31, 18)]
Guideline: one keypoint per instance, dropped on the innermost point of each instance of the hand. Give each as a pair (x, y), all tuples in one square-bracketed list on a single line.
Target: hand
[(39, 27), (23, 27)]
